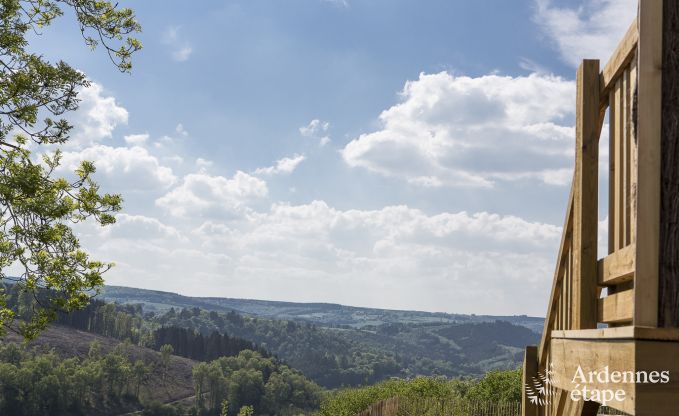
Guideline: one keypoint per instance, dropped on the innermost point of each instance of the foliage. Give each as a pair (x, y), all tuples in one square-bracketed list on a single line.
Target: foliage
[(334, 357), (497, 386), (36, 207), (321, 314), (238, 385), (40, 383), (331, 357), (418, 393), (246, 411), (192, 344)]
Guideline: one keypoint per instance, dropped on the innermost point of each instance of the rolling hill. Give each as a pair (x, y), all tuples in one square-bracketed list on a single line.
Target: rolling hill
[(322, 314)]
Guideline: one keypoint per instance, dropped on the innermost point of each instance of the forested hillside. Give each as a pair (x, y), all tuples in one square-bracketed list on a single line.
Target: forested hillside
[(323, 314), (330, 356), (71, 372)]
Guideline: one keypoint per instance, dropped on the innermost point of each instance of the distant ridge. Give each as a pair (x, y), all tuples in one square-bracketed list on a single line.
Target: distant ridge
[(324, 314)]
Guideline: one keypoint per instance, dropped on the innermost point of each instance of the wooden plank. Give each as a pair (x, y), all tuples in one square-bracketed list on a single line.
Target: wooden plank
[(621, 332), (594, 355), (612, 175), (617, 307), (558, 275), (648, 121), (620, 58), (626, 157), (585, 201), (669, 194), (617, 181), (568, 288), (657, 399), (618, 267), (633, 151), (530, 370)]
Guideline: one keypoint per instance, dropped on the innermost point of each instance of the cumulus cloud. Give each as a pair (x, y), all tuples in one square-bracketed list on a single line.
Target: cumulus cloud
[(123, 168), (136, 139), (97, 116), (318, 130), (283, 166), (180, 48), (204, 194), (203, 164), (140, 227), (590, 30), (397, 257), (463, 131)]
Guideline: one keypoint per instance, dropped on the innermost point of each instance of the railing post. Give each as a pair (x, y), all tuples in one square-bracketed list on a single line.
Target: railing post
[(649, 97), (585, 202), (530, 370)]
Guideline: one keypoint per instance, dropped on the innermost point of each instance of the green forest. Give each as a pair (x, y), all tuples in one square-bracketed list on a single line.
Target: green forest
[(210, 363), (330, 356), (39, 382)]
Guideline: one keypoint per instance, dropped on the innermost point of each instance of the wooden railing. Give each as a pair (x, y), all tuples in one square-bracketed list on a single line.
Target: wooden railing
[(578, 300), (620, 289)]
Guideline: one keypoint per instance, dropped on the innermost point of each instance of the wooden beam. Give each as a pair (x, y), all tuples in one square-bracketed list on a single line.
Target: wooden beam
[(622, 56), (564, 248), (594, 355), (617, 267), (617, 307), (624, 355), (616, 138), (621, 332), (668, 310), (649, 93), (530, 372), (585, 201)]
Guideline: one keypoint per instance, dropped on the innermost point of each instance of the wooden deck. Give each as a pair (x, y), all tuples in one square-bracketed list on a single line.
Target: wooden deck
[(619, 314)]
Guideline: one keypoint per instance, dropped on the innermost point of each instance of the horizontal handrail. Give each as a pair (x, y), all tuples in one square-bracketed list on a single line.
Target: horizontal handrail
[(621, 57)]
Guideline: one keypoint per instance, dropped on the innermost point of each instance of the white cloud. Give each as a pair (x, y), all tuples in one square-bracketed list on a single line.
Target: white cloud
[(180, 48), (591, 30), (283, 166), (463, 131), (203, 194), (341, 3), (182, 54), (140, 227), (136, 139), (203, 164), (97, 117), (316, 129), (396, 257), (123, 168), (181, 130)]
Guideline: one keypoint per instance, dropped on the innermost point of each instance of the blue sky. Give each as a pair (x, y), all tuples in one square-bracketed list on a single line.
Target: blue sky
[(386, 153)]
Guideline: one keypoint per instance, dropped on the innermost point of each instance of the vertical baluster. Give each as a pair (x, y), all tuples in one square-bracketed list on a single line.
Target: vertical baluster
[(569, 292), (633, 152), (612, 109), (627, 155), (619, 166)]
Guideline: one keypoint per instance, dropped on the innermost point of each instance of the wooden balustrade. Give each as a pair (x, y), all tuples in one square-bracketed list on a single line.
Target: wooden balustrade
[(620, 289)]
